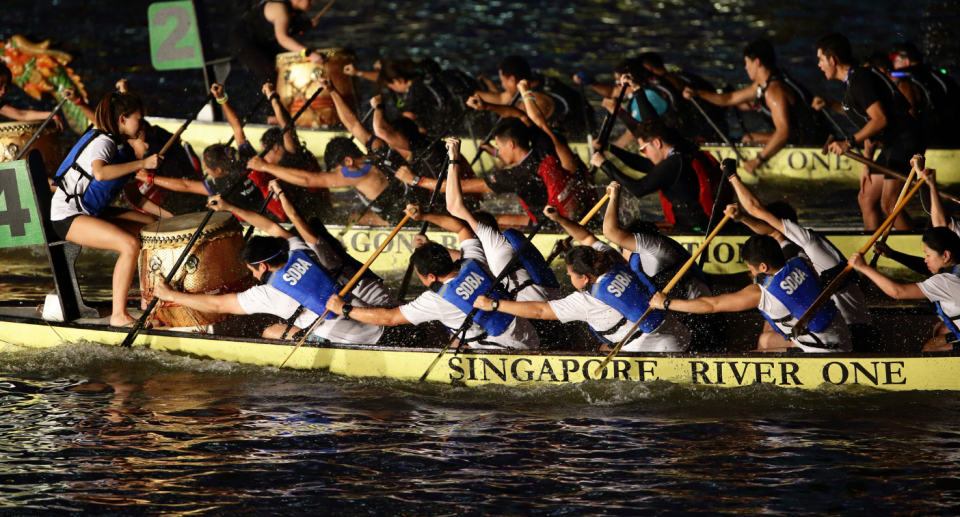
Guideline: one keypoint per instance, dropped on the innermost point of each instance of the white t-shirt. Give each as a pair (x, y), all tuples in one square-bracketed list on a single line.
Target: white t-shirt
[(943, 288), (836, 332), (954, 226), (850, 300), (499, 252), (100, 148), (267, 299), (430, 306), (371, 291), (670, 336), (656, 255)]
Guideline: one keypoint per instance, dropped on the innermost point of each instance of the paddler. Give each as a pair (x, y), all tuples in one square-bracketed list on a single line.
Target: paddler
[(935, 95), (941, 248), (268, 28), (659, 257), (22, 115), (609, 297), (882, 113), (454, 280), (294, 287), (779, 98), (783, 291), (91, 178), (827, 261), (225, 167), (428, 104)]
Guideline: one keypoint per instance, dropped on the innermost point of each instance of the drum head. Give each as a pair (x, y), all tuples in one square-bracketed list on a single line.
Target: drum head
[(21, 127), (185, 225)]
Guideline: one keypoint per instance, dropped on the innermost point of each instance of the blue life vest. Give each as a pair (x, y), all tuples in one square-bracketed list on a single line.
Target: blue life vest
[(663, 277), (470, 283), (796, 286), (95, 195), (656, 101), (532, 261), (629, 294), (307, 282), (950, 322)]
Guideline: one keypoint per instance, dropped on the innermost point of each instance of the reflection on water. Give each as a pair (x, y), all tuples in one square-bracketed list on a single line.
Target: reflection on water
[(95, 428)]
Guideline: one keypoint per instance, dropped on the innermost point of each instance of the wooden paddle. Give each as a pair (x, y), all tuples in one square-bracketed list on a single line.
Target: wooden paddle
[(883, 238), (838, 281), (423, 228), (880, 168), (43, 126), (350, 285), (473, 312), (666, 290), (138, 326), (323, 11), (563, 243)]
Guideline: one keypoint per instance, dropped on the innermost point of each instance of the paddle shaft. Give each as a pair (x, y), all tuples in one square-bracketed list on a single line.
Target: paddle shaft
[(724, 137), (839, 128), (666, 290), (246, 118), (490, 134), (43, 126), (838, 281), (883, 238), (183, 127), (423, 229), (558, 247), (261, 210), (728, 168), (323, 11), (350, 285), (587, 126), (473, 312), (138, 326), (604, 136)]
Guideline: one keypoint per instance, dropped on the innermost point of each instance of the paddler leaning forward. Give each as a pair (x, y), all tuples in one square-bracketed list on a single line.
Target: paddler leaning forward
[(610, 298), (783, 291), (454, 280), (294, 286)]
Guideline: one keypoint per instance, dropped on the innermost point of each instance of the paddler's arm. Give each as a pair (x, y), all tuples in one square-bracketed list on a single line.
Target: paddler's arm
[(386, 132), (77, 100), (892, 289), (567, 158), (104, 172), (303, 178), (481, 102), (142, 202), (742, 300), (876, 124), (573, 228), (741, 96), (279, 15), (756, 225), (220, 94), (776, 100), (290, 142), (369, 315), (213, 303), (304, 229), (818, 103), (448, 223), (256, 220), (347, 117), (528, 310), (454, 196), (752, 205), (467, 186), (938, 217), (174, 184), (611, 222)]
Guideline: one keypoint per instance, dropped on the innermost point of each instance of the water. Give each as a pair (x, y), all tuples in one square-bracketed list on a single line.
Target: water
[(115, 432)]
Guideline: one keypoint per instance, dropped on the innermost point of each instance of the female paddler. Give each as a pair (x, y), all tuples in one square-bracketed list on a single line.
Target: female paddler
[(94, 173)]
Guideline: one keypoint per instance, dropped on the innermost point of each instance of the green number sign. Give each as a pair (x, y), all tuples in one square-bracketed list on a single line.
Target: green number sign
[(174, 38), (19, 220)]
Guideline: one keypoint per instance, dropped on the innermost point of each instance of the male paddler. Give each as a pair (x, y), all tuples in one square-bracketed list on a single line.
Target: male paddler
[(783, 291)]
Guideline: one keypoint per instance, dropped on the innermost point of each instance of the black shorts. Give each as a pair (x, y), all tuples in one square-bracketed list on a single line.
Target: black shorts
[(62, 227), (898, 151)]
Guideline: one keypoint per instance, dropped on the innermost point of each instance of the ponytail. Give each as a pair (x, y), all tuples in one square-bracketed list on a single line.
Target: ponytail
[(113, 106)]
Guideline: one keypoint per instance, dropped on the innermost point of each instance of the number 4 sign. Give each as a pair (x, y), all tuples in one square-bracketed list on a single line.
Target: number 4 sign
[(174, 38), (19, 221)]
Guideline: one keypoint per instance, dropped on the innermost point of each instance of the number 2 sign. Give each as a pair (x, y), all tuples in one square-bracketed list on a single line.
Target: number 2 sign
[(174, 38)]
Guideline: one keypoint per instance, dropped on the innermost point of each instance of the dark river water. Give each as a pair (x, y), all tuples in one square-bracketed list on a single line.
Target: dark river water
[(85, 427)]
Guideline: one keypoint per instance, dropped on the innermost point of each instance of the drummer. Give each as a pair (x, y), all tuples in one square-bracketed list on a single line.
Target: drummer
[(941, 248), (94, 173), (267, 29), (22, 115), (224, 166)]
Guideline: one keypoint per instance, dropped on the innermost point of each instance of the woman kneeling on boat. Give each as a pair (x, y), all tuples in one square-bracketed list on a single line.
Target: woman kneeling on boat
[(610, 299), (783, 291), (941, 249), (91, 178)]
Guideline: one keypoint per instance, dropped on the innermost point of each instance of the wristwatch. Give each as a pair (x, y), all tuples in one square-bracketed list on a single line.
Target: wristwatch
[(666, 304), (346, 310), (495, 305)]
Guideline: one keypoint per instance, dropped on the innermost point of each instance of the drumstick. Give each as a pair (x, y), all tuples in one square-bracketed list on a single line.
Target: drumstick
[(323, 11)]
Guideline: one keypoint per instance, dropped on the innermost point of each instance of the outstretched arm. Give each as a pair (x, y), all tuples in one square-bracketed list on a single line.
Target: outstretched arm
[(573, 228), (453, 193), (528, 310), (742, 300), (174, 184), (256, 220), (290, 142), (567, 158), (752, 205), (369, 315), (611, 221), (347, 117), (480, 103), (448, 223), (302, 178), (891, 288), (223, 100), (386, 132), (304, 229), (756, 225), (747, 94), (213, 303)]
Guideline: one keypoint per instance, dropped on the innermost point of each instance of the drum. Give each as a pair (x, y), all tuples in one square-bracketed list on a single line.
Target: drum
[(14, 135), (213, 266), (297, 81)]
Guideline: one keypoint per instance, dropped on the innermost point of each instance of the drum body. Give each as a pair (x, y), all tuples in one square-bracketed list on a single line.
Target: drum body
[(213, 266), (297, 81), (14, 135)]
